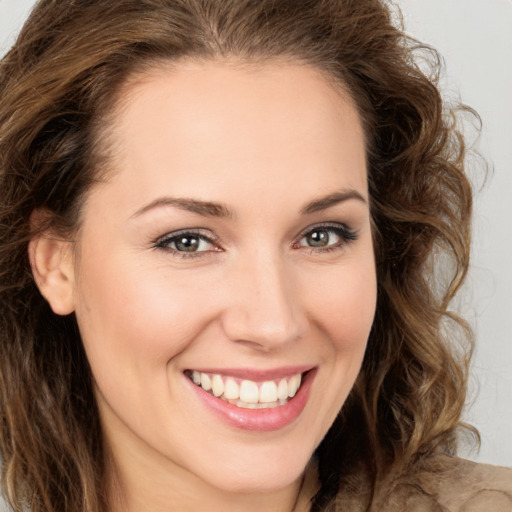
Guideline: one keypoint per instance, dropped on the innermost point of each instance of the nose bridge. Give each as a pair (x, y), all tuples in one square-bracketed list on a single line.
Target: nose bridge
[(264, 308)]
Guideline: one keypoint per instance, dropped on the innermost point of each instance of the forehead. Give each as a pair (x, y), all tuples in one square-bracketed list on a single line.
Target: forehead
[(227, 120)]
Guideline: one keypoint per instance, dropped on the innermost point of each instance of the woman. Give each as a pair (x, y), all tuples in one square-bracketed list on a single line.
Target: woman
[(221, 231)]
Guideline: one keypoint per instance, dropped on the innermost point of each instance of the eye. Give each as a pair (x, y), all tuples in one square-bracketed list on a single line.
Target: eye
[(321, 238), (186, 243), (327, 237)]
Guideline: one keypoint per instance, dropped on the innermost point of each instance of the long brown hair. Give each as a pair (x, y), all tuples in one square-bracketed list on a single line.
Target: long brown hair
[(58, 85)]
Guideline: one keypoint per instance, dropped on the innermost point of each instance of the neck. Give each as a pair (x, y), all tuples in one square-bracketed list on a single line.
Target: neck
[(141, 495), (138, 488)]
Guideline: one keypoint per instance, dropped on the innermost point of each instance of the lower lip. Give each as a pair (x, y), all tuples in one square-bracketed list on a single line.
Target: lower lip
[(259, 420)]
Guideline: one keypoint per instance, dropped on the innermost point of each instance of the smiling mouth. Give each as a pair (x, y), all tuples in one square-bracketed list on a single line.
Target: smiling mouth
[(245, 393)]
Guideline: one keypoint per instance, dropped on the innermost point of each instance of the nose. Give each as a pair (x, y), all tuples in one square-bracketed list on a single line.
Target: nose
[(264, 304)]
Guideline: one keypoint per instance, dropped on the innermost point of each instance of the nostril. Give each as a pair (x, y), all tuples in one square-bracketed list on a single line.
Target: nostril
[(263, 331)]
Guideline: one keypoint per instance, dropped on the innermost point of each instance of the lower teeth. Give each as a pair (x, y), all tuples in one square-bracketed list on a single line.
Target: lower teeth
[(246, 405), (258, 405)]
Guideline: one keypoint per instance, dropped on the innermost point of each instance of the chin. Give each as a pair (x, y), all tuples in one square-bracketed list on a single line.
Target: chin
[(257, 469)]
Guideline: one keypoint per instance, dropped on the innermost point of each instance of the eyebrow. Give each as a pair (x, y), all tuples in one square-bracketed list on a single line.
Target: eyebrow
[(212, 209), (204, 208), (329, 200)]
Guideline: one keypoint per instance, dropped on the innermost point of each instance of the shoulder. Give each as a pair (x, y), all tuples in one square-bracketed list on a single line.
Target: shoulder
[(451, 484), (439, 483), (466, 486)]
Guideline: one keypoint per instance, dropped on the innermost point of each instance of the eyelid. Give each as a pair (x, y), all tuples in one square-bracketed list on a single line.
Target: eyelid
[(327, 224), (211, 238), (346, 232), (347, 235)]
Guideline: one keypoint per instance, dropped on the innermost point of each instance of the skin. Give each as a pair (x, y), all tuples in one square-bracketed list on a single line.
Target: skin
[(263, 140)]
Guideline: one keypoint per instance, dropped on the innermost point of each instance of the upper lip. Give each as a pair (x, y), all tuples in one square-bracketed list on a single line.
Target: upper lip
[(255, 374)]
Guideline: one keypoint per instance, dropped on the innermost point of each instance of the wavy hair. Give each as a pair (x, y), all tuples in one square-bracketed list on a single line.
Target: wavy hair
[(58, 85)]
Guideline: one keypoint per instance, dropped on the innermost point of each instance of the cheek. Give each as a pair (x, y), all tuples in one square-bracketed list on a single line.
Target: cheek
[(345, 302), (343, 307), (135, 319)]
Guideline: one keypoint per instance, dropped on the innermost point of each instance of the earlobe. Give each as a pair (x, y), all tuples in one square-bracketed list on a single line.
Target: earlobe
[(51, 260)]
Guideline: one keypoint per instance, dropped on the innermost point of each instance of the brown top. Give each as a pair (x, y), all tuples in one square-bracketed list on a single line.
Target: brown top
[(471, 487), (439, 484)]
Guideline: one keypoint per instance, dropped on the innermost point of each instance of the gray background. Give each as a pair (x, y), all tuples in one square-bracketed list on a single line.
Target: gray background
[(475, 38)]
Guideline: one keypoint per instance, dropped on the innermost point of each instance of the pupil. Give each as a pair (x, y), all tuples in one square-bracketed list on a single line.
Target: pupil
[(318, 238), (187, 244)]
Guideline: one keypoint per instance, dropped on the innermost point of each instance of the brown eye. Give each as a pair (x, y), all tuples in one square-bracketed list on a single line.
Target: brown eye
[(318, 238), (321, 237), (325, 238), (187, 243)]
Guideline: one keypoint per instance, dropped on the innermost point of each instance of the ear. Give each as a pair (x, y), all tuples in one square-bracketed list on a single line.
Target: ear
[(51, 259)]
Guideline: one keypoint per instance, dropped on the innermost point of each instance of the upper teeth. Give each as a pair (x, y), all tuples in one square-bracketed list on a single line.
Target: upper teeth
[(248, 391)]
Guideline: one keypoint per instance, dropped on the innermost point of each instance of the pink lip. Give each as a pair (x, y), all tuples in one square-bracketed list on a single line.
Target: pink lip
[(258, 420)]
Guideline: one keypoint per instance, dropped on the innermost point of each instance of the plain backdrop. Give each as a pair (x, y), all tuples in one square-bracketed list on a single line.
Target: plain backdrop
[(475, 39)]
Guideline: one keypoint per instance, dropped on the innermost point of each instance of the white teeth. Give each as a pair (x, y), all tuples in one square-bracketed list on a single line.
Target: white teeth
[(282, 390), (291, 388), (206, 382), (293, 385), (231, 390), (249, 392), (268, 392), (244, 405), (217, 385)]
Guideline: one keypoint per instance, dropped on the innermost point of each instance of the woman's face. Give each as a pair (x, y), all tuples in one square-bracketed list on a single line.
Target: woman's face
[(230, 247)]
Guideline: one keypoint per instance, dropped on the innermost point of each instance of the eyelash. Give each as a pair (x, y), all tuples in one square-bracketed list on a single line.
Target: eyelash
[(163, 243), (347, 236)]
